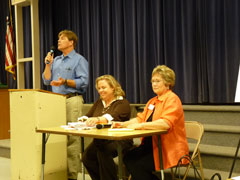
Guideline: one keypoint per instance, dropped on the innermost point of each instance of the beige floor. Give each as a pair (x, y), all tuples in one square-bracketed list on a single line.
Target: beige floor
[(5, 168)]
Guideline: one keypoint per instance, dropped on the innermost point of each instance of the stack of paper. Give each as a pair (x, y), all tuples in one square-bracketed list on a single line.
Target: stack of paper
[(77, 126)]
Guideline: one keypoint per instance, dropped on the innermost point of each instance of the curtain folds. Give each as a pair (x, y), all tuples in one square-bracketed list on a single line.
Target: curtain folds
[(198, 39)]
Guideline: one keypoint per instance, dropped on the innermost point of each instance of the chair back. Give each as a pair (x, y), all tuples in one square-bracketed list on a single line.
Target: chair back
[(194, 130)]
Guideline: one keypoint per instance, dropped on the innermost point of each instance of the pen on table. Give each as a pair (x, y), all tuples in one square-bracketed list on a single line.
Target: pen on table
[(112, 126)]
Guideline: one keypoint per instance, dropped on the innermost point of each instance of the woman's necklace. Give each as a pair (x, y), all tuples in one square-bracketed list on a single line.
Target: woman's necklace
[(105, 109)]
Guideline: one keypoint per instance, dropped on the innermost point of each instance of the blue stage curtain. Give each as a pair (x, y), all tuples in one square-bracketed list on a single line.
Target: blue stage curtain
[(198, 39)]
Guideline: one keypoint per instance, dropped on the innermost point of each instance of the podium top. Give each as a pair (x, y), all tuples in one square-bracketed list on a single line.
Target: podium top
[(36, 90)]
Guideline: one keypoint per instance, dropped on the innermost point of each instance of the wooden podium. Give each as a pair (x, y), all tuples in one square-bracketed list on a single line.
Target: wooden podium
[(31, 109), (5, 114)]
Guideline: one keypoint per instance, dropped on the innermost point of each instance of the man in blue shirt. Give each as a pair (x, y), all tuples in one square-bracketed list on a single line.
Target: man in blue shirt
[(68, 74)]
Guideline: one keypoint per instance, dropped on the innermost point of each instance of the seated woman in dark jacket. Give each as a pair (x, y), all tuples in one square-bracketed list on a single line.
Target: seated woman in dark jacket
[(111, 106)]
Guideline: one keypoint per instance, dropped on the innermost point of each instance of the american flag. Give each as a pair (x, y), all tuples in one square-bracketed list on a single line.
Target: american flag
[(10, 54)]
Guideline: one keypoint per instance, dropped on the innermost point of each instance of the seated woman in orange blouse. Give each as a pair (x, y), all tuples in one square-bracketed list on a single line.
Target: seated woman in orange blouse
[(164, 111)]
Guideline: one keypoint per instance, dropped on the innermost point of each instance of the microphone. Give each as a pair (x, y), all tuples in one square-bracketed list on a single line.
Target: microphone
[(101, 126), (52, 49)]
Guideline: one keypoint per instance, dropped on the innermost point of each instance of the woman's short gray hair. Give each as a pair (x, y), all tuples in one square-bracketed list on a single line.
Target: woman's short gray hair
[(166, 73)]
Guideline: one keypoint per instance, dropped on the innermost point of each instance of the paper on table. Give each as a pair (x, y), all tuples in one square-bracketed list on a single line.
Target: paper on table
[(66, 127), (236, 178), (119, 129), (77, 126)]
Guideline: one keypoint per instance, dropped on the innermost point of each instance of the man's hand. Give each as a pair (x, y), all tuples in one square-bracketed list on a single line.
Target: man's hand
[(49, 58), (59, 82)]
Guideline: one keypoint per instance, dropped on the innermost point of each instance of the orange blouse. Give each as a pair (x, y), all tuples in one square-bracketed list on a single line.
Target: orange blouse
[(174, 143)]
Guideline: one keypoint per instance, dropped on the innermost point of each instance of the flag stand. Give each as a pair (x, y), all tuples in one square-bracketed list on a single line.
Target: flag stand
[(7, 79)]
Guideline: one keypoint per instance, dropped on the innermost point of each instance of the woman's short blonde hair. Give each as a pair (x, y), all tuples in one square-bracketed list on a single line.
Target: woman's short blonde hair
[(113, 83), (70, 35), (166, 73)]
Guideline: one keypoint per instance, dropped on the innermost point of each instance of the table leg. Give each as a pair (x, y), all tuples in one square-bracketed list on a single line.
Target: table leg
[(43, 154), (160, 157), (120, 161), (82, 150), (235, 158)]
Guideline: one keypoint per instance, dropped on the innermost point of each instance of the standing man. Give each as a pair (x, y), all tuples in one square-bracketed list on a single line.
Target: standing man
[(68, 74)]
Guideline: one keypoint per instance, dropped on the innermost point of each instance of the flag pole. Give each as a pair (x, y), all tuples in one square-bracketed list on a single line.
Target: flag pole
[(10, 12), (7, 79)]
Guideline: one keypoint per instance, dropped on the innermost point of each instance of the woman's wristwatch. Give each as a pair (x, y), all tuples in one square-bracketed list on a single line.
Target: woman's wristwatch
[(65, 82)]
